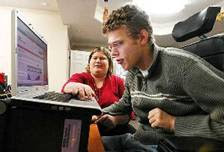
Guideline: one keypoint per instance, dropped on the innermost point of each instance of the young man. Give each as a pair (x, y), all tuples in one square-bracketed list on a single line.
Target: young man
[(171, 91)]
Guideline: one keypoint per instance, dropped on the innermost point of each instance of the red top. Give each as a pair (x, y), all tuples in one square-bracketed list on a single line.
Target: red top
[(2, 79), (111, 91)]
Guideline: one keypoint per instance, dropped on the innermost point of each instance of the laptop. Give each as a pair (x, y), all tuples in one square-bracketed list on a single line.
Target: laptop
[(39, 124), (30, 66)]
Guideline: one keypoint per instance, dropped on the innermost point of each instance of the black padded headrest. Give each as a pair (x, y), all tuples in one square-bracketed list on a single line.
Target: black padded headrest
[(196, 25)]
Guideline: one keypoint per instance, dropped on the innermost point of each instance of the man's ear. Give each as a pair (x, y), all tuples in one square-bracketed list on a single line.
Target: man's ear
[(144, 37)]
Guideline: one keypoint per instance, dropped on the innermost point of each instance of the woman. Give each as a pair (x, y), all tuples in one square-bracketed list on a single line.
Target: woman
[(98, 81)]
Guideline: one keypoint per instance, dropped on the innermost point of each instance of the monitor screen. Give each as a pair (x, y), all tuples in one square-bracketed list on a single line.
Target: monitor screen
[(32, 57), (29, 56)]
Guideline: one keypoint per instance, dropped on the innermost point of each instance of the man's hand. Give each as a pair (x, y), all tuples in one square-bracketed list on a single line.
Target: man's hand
[(106, 120), (94, 118), (110, 121), (159, 118)]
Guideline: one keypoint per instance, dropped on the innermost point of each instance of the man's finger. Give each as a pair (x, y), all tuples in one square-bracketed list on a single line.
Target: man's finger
[(101, 119), (151, 120), (154, 124), (94, 118), (151, 114), (153, 111)]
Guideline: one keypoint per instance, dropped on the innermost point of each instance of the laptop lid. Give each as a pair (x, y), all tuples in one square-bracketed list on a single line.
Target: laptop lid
[(29, 58)]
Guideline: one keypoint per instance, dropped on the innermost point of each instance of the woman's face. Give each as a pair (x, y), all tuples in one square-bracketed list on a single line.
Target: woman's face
[(99, 64)]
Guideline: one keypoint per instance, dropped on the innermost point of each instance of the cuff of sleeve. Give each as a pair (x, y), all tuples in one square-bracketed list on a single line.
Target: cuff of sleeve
[(184, 126), (112, 112)]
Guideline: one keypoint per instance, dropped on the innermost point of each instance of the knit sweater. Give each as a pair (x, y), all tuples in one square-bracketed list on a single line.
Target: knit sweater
[(181, 84)]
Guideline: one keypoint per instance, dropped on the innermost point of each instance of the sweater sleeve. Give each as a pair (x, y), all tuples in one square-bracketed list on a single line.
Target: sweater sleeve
[(121, 87), (205, 85), (122, 107)]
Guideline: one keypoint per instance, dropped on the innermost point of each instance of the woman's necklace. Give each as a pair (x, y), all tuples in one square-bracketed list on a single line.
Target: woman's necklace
[(97, 90), (97, 84)]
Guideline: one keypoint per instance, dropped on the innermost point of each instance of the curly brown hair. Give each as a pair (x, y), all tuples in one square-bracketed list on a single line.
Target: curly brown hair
[(131, 17), (106, 52)]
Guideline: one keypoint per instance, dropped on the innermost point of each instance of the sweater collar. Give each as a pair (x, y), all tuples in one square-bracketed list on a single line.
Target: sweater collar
[(152, 67)]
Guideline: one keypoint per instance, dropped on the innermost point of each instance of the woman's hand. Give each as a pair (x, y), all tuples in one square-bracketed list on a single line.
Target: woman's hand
[(82, 91)]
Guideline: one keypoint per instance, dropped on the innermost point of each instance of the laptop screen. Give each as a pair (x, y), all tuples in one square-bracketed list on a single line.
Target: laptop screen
[(29, 57)]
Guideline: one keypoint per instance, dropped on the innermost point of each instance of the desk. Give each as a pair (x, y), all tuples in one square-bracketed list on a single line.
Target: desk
[(95, 142)]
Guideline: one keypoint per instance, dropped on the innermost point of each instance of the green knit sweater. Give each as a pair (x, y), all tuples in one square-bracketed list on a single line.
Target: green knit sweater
[(181, 84)]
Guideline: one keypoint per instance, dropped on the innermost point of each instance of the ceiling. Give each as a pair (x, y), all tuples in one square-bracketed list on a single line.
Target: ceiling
[(49, 5), (85, 31)]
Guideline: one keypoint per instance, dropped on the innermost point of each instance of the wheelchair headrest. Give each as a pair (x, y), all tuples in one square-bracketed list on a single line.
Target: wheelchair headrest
[(196, 25)]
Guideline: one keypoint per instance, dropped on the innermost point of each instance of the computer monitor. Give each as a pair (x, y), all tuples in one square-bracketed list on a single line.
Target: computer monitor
[(29, 57)]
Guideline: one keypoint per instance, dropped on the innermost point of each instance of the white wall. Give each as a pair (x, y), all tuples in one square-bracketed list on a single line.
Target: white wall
[(49, 25), (78, 61), (5, 41)]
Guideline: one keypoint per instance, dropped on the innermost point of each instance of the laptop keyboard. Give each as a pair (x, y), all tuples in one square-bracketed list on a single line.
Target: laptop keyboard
[(55, 96)]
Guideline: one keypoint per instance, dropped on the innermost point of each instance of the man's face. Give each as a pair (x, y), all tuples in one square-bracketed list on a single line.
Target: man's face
[(124, 49)]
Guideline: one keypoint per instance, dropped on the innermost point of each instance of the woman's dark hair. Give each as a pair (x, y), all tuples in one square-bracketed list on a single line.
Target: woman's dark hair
[(106, 52)]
